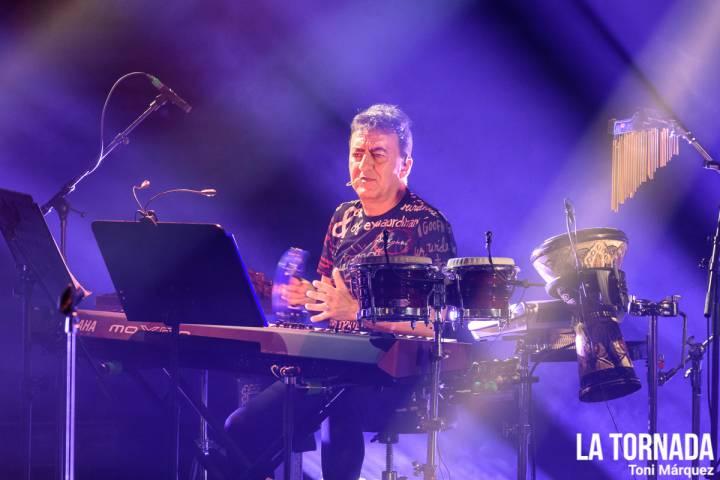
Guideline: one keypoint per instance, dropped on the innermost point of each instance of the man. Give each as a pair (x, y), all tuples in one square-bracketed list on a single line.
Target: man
[(380, 162)]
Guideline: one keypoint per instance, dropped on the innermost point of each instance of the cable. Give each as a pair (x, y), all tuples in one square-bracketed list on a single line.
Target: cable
[(708, 367), (617, 430), (102, 123), (102, 114), (442, 460), (71, 187)]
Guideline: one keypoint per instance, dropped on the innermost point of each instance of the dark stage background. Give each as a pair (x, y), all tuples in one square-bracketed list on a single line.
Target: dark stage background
[(510, 102)]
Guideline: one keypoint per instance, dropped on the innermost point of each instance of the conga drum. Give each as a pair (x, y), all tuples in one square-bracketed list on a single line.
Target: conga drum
[(394, 288), (480, 289)]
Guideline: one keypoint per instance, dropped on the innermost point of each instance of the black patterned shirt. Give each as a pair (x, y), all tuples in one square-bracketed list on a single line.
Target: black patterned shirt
[(415, 228)]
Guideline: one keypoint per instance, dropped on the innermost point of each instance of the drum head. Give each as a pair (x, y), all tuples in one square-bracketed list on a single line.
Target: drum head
[(479, 261), (596, 248)]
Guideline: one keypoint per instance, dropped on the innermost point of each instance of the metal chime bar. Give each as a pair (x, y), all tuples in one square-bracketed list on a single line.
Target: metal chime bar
[(641, 145)]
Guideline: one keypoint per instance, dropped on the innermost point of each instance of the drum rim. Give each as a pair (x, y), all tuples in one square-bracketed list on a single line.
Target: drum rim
[(401, 314), (470, 314), (561, 241), (458, 262), (395, 260)]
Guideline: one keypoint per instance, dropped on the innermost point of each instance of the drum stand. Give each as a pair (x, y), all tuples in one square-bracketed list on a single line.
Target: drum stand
[(428, 470), (524, 427), (697, 351), (644, 308), (388, 439)]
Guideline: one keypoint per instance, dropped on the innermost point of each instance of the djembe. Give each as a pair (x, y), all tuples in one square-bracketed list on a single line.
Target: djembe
[(594, 289)]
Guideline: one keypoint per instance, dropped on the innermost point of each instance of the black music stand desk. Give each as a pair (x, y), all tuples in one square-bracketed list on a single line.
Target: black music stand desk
[(178, 273)]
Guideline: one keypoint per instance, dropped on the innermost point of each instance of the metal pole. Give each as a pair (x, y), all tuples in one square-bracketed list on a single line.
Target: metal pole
[(68, 461), (430, 468), (696, 383), (27, 381), (524, 427), (652, 375), (204, 438), (710, 312), (289, 378), (174, 402)]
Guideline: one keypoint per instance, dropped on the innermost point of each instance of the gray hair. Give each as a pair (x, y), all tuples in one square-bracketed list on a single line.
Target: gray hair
[(387, 119)]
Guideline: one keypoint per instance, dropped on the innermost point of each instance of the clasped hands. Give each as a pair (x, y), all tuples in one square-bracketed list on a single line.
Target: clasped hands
[(333, 300)]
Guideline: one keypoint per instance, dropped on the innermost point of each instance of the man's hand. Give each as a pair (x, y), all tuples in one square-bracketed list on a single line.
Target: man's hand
[(295, 292), (334, 301)]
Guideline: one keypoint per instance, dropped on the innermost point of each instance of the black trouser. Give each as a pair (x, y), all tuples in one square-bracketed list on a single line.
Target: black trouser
[(257, 428)]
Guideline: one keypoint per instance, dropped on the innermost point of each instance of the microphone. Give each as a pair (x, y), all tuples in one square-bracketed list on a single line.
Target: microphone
[(145, 184), (569, 211), (386, 237), (170, 94), (571, 229), (488, 245)]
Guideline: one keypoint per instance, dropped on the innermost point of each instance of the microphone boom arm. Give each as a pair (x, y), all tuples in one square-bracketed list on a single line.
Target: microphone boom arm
[(58, 201)]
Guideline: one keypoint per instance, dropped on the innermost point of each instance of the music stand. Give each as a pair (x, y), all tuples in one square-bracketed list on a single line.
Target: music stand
[(39, 263), (173, 273), (178, 273)]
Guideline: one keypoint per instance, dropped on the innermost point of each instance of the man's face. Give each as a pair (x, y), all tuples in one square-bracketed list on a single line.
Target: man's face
[(376, 165)]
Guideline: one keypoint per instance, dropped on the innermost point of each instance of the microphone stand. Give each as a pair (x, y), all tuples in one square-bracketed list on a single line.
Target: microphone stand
[(711, 313), (68, 303), (59, 201), (694, 373)]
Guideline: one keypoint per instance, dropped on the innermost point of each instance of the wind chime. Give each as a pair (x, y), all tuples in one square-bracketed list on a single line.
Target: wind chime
[(641, 145)]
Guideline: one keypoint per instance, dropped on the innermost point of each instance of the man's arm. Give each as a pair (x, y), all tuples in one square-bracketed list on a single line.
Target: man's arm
[(337, 304)]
